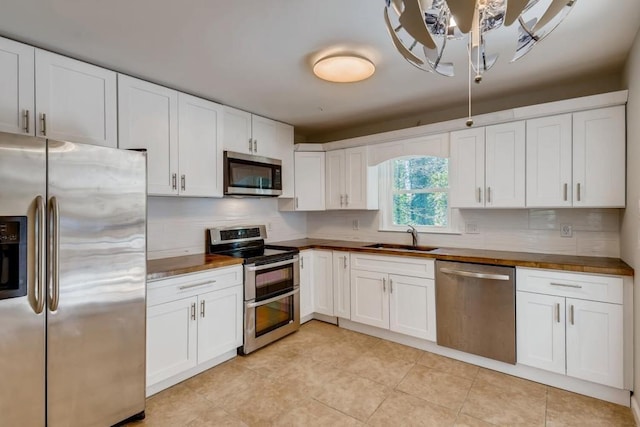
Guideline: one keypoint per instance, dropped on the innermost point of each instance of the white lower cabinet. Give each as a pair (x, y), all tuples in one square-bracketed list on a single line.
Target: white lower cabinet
[(563, 328), (323, 282), (306, 285), (403, 304), (194, 322), (341, 285)]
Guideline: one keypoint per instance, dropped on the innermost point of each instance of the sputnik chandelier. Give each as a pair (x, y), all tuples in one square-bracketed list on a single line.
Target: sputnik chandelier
[(421, 30)]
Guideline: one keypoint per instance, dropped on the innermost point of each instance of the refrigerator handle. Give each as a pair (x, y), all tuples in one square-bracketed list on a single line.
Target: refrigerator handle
[(40, 266), (54, 233)]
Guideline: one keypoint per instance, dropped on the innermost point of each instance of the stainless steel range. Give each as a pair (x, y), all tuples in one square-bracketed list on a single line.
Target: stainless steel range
[(271, 283)]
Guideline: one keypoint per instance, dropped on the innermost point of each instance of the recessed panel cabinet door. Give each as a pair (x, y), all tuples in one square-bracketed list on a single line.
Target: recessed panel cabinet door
[(549, 161), (323, 282), (172, 335), (306, 283), (148, 118), (200, 147), (75, 101), (335, 176), (370, 298), (599, 138), (309, 181), (264, 134), (356, 178), (237, 131), (595, 342), (541, 331), (412, 306), (341, 285), (17, 99), (219, 322), (505, 165), (466, 168)]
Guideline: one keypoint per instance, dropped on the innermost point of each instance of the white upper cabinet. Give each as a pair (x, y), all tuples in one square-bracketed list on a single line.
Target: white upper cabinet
[(284, 152), (549, 161), (599, 158), (309, 181), (265, 137), (466, 168), (350, 182), (148, 118), (487, 167), (75, 101), (200, 147), (237, 131), (17, 97)]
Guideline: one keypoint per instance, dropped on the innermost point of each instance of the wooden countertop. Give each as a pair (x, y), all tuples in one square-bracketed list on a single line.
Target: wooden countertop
[(166, 267), (583, 264)]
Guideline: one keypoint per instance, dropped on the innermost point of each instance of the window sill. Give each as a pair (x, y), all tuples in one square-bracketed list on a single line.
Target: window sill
[(421, 231)]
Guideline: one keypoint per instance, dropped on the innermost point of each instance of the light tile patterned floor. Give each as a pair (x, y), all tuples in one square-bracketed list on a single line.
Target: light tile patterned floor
[(326, 376)]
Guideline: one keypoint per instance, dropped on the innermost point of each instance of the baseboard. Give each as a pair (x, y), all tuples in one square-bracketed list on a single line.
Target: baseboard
[(635, 409)]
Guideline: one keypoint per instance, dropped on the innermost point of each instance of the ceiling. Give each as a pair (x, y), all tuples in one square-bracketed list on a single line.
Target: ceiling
[(257, 55)]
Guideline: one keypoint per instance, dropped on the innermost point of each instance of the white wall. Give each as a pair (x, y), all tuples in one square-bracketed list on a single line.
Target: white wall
[(595, 231), (629, 235), (176, 226)]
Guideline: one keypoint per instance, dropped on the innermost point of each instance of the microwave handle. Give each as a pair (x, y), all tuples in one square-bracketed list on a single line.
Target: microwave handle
[(274, 299), (275, 264)]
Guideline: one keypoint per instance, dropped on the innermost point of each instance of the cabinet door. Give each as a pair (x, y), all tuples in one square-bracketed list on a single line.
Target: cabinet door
[(171, 339), (412, 309), (549, 161), (599, 158), (265, 136), (237, 131), (594, 342), (540, 331), (323, 282), (466, 168), (219, 322), (504, 165), (335, 178), (370, 298), (341, 285), (199, 147), (75, 101), (309, 181), (284, 135), (148, 118), (306, 283), (355, 175), (17, 99)]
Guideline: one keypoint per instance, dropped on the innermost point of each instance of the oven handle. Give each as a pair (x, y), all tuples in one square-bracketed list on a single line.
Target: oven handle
[(270, 300), (275, 264)]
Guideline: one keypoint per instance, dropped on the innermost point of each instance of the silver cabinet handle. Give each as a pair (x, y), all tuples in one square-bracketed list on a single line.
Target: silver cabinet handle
[(296, 202), (43, 124), (202, 308), (54, 232), (475, 275), (566, 285), (250, 146), (26, 121), (346, 200), (255, 145), (183, 182), (479, 195), (565, 191), (578, 192), (390, 285), (39, 266), (272, 265), (196, 285), (488, 194), (301, 262), (558, 312), (193, 311), (174, 181), (571, 315), (344, 261), (384, 284), (274, 299), (341, 200)]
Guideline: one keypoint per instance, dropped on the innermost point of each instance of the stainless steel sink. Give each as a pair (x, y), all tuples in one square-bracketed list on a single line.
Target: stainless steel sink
[(395, 247)]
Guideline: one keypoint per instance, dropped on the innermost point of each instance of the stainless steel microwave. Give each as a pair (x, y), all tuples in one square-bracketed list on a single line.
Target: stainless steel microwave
[(248, 175)]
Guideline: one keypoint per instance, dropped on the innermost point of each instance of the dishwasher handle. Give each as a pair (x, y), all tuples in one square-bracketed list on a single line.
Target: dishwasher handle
[(475, 275)]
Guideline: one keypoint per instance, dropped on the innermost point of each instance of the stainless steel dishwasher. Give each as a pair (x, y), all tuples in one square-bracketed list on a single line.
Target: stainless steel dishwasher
[(476, 309)]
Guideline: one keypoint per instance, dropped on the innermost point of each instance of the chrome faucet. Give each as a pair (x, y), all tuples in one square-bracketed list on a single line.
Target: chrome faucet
[(414, 234)]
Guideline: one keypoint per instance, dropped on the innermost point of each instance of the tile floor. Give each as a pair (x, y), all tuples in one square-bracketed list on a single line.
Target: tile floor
[(326, 376)]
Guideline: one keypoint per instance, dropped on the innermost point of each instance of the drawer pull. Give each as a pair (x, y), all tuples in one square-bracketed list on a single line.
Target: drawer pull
[(566, 285), (571, 315), (195, 285)]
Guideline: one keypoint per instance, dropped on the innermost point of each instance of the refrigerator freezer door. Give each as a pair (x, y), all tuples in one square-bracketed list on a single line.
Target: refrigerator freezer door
[(22, 331), (96, 307)]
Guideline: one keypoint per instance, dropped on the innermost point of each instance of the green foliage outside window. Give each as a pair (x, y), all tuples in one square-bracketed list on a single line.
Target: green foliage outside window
[(420, 187)]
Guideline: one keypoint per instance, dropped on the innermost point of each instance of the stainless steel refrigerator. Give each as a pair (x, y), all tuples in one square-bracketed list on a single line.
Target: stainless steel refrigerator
[(72, 283)]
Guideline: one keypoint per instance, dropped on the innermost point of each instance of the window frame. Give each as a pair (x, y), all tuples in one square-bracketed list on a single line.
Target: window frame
[(385, 201)]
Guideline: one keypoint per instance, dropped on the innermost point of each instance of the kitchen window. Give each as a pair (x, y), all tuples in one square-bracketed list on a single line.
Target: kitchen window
[(415, 190)]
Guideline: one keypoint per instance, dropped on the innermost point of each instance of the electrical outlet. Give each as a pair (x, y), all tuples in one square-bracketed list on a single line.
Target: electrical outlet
[(566, 230), (471, 228), (356, 224)]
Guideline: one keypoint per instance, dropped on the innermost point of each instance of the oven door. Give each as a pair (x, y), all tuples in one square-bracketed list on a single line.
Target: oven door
[(251, 175), (271, 319)]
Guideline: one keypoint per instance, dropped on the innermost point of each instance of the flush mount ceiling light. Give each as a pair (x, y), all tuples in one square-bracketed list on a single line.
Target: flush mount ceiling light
[(344, 68), (421, 29)]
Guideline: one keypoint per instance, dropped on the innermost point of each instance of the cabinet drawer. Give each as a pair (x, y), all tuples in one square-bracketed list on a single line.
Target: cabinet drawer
[(186, 285), (582, 286), (405, 266)]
